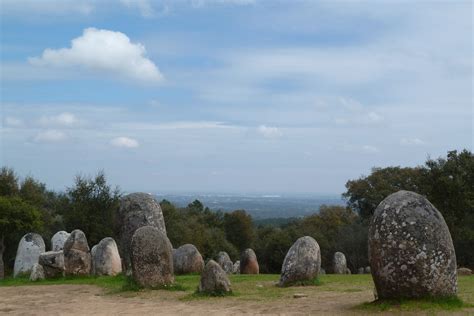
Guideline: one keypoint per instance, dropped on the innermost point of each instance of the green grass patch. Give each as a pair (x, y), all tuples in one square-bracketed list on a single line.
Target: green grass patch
[(451, 303)]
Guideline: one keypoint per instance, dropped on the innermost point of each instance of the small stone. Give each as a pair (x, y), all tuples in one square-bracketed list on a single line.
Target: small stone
[(236, 268), (187, 259), (214, 279), (299, 295), (248, 262), (339, 263), (37, 272), (464, 271)]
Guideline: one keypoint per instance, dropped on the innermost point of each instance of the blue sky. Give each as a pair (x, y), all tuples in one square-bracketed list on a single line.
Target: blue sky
[(235, 96)]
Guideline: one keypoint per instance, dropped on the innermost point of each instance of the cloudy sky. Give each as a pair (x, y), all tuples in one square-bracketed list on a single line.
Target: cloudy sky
[(232, 95)]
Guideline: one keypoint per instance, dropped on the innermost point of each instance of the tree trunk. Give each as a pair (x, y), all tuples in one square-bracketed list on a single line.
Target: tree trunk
[(2, 249)]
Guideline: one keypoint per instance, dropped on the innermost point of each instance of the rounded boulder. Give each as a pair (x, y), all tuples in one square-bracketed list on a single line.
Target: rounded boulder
[(106, 258), (29, 249), (58, 240), (302, 262), (136, 210), (248, 262), (77, 257), (152, 257), (214, 279), (339, 263), (224, 261), (411, 252), (187, 259)]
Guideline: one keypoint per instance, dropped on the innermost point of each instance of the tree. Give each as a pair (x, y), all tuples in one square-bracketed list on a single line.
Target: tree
[(365, 193), (8, 182), (17, 217), (239, 229), (92, 205)]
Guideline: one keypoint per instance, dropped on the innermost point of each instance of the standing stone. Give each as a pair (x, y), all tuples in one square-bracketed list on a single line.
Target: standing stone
[(214, 279), (106, 258), (52, 263), (339, 263), (58, 240), (37, 273), (224, 261), (348, 271), (367, 269), (248, 262), (187, 259), (236, 268), (411, 252), (302, 262), (361, 271), (29, 249), (77, 258), (136, 210), (322, 271), (93, 249), (152, 258), (464, 271)]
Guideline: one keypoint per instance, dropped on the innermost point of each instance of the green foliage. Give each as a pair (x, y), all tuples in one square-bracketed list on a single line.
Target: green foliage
[(239, 229), (8, 182), (447, 183), (92, 206)]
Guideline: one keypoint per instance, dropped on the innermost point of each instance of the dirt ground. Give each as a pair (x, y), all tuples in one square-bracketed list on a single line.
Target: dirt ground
[(92, 300)]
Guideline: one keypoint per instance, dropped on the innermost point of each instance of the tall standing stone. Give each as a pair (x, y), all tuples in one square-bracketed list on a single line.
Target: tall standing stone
[(187, 259), (58, 240), (224, 261), (339, 263), (77, 257), (29, 248), (137, 210), (152, 257), (106, 258), (248, 262), (302, 262), (411, 252), (214, 279)]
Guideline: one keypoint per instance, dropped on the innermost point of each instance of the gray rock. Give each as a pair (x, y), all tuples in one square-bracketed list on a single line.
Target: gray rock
[(224, 261), (302, 262), (77, 258), (411, 252), (249, 262), (152, 258), (348, 271), (214, 279), (93, 249), (37, 272), (52, 263), (361, 271), (58, 240), (106, 258), (187, 259), (136, 210), (367, 269), (236, 268), (339, 263), (27, 254), (322, 271), (464, 271)]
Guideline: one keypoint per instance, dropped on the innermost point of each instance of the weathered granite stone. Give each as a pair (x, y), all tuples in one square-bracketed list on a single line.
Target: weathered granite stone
[(361, 271), (367, 269), (187, 259), (411, 252), (136, 210), (152, 258), (248, 262), (464, 271), (224, 261), (106, 258), (236, 268), (302, 262), (93, 249), (58, 240), (37, 272), (214, 279), (27, 254), (53, 264), (77, 258), (339, 263)]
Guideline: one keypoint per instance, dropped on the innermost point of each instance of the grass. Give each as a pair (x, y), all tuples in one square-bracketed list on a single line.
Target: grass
[(263, 288)]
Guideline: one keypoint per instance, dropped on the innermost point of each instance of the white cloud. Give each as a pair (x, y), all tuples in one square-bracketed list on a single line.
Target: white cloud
[(64, 119), (144, 6), (411, 142), (370, 149), (269, 132), (124, 142), (105, 51), (174, 125), (13, 122), (49, 136)]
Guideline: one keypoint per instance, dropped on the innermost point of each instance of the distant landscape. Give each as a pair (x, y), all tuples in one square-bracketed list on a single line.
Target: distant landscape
[(263, 206)]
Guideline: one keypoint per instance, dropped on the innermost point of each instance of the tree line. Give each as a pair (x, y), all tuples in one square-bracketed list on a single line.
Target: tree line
[(90, 204)]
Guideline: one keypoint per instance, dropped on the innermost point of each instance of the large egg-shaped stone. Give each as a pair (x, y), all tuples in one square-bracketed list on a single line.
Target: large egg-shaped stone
[(411, 252)]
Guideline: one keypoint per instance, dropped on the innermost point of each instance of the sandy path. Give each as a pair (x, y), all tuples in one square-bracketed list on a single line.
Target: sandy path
[(92, 300)]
